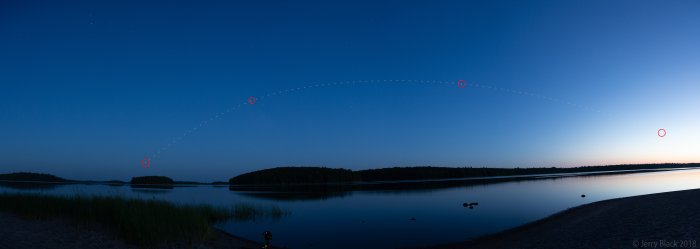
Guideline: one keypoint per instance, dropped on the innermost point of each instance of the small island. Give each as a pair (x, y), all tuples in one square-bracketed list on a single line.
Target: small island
[(152, 180), (31, 177)]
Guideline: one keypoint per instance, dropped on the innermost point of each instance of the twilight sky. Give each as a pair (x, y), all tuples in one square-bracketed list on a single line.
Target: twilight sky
[(90, 88)]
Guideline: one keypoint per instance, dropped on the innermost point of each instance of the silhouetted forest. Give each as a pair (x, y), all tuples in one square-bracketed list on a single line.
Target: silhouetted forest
[(295, 175), (316, 175), (34, 177), (160, 180)]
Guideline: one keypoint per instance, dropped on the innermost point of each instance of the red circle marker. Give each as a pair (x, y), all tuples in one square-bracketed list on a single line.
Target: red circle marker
[(146, 163), (661, 132), (461, 83), (252, 100)]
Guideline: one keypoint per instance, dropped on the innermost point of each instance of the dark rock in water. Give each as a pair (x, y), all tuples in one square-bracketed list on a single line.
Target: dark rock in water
[(470, 204), (413, 219), (583, 196)]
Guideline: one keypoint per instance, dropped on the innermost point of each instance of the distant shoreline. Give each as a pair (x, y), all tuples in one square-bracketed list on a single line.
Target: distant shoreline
[(287, 178), (519, 177), (291, 176), (616, 223), (339, 188)]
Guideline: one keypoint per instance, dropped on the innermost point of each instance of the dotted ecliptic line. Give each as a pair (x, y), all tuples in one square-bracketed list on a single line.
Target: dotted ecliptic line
[(341, 83), (524, 93), (283, 92)]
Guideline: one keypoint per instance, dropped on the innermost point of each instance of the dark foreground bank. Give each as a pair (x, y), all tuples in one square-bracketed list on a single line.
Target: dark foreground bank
[(59, 233), (38, 221), (664, 220)]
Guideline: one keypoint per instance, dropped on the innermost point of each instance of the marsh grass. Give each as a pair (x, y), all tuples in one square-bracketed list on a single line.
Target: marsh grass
[(145, 223)]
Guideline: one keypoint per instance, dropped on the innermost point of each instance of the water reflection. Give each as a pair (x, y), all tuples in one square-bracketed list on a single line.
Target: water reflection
[(116, 183), (296, 196), (28, 185), (321, 192), (151, 190), (150, 186), (424, 214)]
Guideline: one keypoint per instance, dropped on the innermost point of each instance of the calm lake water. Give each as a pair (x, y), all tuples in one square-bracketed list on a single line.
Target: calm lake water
[(385, 218)]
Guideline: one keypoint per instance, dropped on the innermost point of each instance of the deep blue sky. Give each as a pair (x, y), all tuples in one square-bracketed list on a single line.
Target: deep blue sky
[(89, 88)]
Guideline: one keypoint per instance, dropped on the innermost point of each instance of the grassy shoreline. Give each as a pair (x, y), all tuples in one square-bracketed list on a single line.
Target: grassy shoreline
[(144, 223)]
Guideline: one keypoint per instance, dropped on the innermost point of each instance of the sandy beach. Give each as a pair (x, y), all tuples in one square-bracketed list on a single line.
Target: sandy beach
[(17, 232), (663, 220)]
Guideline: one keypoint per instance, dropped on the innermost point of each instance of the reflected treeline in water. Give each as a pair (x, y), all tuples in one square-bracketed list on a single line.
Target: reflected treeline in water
[(294, 192), (144, 187), (301, 192), (151, 190), (296, 196), (29, 185), (116, 183)]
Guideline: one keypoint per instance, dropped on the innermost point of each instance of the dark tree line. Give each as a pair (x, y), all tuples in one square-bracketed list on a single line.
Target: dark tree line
[(34, 177), (295, 175), (160, 180), (323, 175)]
